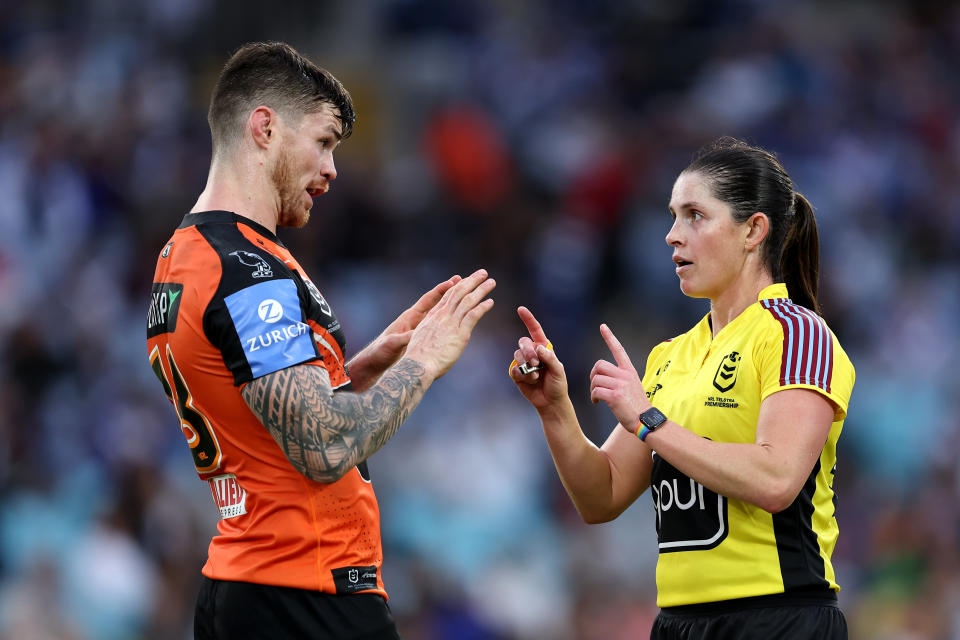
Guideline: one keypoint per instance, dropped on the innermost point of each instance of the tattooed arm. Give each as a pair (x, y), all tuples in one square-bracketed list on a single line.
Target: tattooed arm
[(325, 434)]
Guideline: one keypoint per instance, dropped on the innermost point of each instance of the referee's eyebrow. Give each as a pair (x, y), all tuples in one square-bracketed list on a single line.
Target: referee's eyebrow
[(687, 205)]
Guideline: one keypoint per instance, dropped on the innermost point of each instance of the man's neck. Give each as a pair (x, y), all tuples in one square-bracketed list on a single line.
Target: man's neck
[(246, 192)]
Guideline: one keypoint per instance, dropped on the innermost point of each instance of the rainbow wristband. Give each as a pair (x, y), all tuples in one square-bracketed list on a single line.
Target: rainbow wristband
[(642, 432)]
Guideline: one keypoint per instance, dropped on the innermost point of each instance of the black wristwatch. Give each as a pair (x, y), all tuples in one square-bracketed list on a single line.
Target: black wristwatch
[(650, 420)]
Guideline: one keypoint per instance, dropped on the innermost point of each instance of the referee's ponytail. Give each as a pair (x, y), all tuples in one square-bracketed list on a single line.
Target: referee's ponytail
[(800, 258), (751, 179)]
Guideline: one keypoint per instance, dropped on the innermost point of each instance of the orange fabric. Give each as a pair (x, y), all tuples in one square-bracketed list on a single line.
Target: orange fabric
[(294, 531)]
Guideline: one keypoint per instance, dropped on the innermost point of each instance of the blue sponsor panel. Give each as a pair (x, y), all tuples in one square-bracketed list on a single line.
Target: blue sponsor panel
[(267, 318)]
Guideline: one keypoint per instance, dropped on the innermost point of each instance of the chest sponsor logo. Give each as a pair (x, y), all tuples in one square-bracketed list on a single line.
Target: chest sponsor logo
[(164, 308), (654, 390), (229, 496), (726, 375), (689, 516), (261, 268)]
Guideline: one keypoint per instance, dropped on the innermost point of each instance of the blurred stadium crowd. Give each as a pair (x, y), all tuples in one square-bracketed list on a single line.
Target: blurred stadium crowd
[(539, 140)]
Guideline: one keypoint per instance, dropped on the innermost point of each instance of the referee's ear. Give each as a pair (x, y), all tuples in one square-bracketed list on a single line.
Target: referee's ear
[(757, 227)]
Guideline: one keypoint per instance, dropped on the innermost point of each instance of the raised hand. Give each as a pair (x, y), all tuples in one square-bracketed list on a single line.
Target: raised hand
[(548, 386), (389, 346), (444, 330), (618, 385)]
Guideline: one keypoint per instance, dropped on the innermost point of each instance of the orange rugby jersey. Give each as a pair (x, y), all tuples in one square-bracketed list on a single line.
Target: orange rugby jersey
[(230, 304)]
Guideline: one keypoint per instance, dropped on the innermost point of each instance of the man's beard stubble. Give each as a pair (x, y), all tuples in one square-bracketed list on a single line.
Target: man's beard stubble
[(292, 212)]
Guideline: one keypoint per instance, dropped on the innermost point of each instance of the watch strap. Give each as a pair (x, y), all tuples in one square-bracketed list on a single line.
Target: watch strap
[(643, 429)]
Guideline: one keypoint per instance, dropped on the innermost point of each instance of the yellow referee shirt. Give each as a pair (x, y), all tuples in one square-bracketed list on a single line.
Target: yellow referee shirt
[(716, 548)]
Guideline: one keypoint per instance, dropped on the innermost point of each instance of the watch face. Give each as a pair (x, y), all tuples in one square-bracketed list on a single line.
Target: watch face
[(652, 418)]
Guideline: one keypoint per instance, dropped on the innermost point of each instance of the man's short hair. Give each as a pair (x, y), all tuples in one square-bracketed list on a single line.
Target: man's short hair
[(275, 75)]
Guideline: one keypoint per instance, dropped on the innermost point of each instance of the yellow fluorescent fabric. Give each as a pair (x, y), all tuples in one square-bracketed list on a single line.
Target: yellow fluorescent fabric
[(712, 547)]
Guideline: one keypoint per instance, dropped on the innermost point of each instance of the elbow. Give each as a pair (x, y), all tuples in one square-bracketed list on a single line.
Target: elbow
[(596, 516), (324, 476), (321, 474), (318, 467), (590, 518), (777, 496), (328, 474)]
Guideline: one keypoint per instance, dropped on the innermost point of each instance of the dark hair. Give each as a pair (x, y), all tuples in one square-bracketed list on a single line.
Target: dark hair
[(275, 75), (750, 179)]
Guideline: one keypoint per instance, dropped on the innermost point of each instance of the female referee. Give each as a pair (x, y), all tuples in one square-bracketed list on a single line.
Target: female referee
[(734, 424)]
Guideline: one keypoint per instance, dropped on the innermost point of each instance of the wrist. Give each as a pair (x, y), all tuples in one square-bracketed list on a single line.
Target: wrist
[(649, 421), (558, 410), (429, 373)]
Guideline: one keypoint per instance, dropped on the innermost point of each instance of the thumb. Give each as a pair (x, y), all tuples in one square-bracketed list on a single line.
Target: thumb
[(399, 339)]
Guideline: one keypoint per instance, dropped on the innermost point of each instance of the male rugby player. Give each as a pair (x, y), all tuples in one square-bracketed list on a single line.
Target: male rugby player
[(252, 357)]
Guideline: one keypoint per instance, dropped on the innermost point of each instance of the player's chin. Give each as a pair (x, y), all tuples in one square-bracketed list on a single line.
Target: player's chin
[(295, 219)]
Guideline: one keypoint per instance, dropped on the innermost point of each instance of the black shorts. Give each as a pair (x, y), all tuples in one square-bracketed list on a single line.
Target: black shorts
[(228, 610), (809, 621)]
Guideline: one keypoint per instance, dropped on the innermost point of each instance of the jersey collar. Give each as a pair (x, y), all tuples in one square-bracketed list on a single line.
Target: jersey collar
[(774, 291), (192, 219)]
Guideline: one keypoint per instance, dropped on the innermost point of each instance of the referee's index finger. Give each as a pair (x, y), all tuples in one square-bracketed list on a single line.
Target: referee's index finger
[(619, 353), (533, 327)]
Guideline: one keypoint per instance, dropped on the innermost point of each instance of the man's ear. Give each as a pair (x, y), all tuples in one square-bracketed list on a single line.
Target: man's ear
[(758, 228), (261, 124)]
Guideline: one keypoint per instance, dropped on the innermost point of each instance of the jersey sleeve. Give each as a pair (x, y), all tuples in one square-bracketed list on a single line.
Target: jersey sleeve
[(257, 316), (268, 321), (800, 352)]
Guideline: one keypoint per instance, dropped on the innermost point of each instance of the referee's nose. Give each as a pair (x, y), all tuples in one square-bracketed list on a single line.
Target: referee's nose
[(673, 236)]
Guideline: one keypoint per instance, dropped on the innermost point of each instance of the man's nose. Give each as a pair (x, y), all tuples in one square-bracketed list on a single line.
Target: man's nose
[(329, 169)]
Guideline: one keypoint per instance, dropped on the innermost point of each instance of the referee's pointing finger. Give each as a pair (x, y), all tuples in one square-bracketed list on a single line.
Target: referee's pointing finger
[(533, 326), (619, 353)]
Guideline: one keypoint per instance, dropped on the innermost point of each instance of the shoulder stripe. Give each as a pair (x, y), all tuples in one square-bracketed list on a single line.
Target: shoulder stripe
[(807, 345)]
